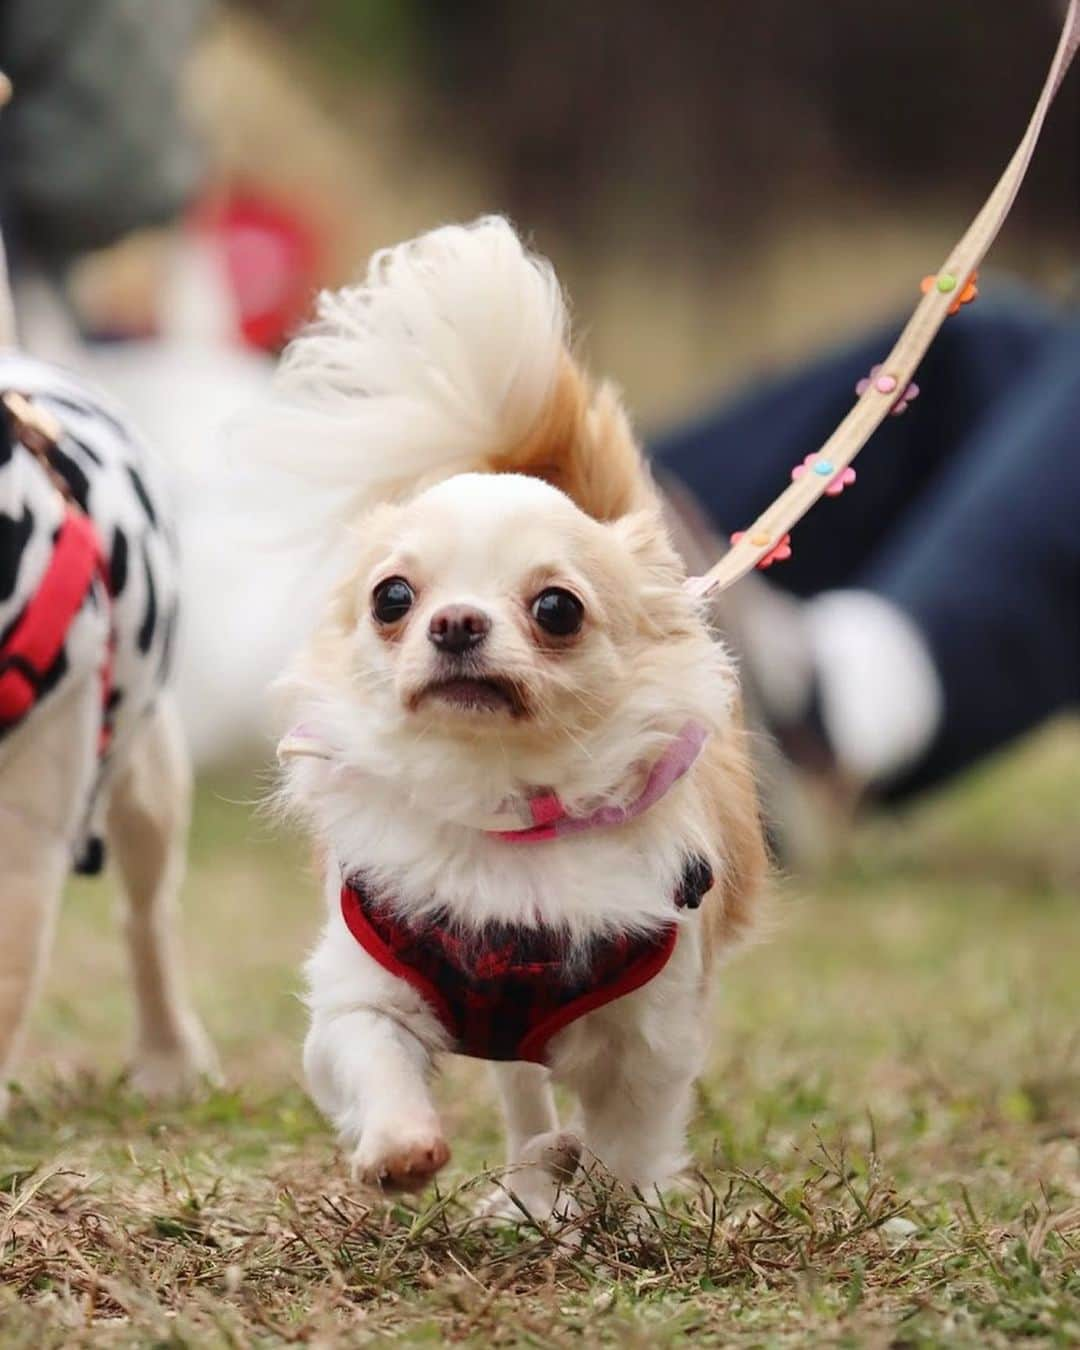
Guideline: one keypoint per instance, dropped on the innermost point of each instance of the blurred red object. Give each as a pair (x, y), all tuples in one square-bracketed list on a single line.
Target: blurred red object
[(272, 261)]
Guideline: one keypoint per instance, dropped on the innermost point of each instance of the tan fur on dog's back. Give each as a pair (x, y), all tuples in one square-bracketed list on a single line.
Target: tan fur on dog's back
[(728, 779), (583, 445)]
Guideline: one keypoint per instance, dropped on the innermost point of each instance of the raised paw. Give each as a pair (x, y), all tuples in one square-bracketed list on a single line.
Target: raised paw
[(400, 1158)]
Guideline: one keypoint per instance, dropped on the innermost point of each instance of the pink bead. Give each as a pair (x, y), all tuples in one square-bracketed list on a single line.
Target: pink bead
[(839, 480), (887, 384)]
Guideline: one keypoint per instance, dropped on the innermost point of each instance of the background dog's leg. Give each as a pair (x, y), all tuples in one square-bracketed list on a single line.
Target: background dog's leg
[(147, 829), (47, 775), (368, 1073)]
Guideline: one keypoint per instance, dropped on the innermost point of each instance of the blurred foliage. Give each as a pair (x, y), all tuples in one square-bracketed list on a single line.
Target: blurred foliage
[(714, 111), (385, 36)]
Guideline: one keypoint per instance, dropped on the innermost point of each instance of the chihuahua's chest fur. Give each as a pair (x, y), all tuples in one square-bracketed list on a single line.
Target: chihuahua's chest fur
[(622, 878)]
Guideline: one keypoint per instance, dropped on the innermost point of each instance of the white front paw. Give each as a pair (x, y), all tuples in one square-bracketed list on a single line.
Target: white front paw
[(399, 1155)]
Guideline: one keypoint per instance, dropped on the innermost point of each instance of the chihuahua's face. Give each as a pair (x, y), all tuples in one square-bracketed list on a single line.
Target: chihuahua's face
[(490, 605)]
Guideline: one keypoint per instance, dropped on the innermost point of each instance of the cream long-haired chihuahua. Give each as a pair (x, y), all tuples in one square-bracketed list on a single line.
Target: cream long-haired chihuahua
[(512, 736)]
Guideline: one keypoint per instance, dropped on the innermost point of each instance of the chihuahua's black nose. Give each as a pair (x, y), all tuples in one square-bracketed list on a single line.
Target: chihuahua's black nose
[(458, 628)]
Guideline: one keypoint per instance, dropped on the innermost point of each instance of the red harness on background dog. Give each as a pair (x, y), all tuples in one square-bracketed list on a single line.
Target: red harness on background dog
[(504, 993), (33, 645), (30, 649)]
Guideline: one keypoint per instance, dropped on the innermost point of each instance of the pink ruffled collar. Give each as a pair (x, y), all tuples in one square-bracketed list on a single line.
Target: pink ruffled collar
[(539, 814)]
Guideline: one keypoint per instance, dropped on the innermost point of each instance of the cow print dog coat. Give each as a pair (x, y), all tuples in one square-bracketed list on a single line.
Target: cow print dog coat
[(108, 473)]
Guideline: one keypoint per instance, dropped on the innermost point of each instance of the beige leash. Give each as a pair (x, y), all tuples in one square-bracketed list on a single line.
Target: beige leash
[(766, 540)]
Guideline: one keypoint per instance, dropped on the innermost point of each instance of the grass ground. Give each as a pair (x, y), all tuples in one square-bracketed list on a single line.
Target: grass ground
[(889, 1133)]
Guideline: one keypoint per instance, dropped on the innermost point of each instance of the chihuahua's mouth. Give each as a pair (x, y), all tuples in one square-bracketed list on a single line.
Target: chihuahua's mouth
[(474, 694)]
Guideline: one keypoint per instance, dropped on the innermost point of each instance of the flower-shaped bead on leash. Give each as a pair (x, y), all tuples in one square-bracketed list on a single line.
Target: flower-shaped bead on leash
[(946, 283), (839, 479), (780, 551), (887, 384)]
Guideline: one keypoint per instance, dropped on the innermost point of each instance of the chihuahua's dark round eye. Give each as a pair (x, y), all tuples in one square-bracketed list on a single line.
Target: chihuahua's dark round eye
[(558, 612), (392, 599)]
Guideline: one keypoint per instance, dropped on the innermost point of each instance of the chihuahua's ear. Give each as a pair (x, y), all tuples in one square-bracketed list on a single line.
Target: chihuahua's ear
[(666, 607), (645, 536)]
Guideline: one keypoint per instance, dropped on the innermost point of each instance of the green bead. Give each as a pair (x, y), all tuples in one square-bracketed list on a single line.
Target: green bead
[(946, 282)]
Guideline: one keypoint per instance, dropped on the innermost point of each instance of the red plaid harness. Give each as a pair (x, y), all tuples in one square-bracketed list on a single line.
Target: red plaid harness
[(505, 993)]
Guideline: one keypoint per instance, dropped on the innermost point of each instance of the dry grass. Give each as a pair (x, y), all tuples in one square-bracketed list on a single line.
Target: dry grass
[(889, 1137)]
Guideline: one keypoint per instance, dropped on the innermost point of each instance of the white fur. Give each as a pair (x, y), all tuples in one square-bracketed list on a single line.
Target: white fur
[(447, 354)]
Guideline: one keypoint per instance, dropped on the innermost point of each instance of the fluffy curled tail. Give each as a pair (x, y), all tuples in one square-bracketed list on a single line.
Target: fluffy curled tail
[(451, 356)]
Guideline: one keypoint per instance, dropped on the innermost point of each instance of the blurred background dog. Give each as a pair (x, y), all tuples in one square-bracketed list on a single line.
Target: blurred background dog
[(91, 749)]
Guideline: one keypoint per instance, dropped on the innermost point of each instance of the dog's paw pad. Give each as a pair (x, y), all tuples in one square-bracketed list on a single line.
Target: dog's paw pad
[(404, 1164)]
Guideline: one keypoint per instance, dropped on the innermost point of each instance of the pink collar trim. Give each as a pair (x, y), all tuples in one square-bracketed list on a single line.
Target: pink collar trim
[(540, 815), (545, 817)]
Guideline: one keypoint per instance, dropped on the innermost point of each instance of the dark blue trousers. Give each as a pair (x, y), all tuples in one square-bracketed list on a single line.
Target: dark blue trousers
[(966, 513)]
